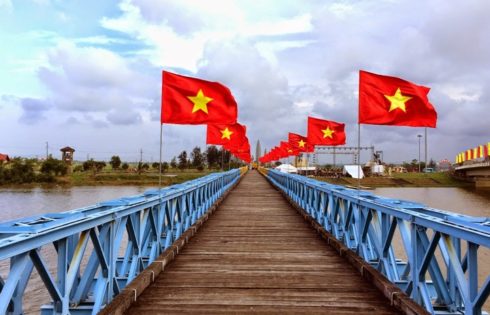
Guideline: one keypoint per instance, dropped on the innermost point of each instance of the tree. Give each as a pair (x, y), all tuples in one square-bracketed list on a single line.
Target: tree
[(432, 164), (156, 165), (224, 157), (197, 158), (182, 160), (94, 166), (125, 166), (19, 171), (212, 156), (54, 167), (99, 165), (173, 163), (115, 162)]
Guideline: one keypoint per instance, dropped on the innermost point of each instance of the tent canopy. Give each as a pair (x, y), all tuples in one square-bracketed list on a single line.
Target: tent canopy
[(353, 170), (287, 168)]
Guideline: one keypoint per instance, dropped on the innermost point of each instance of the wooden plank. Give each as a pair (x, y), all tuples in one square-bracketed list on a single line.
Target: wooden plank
[(257, 255)]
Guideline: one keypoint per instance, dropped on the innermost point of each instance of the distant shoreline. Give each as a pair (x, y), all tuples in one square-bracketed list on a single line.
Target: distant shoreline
[(401, 180), (151, 179), (118, 178)]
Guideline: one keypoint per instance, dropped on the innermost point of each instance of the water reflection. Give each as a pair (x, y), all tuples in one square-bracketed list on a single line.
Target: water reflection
[(18, 203), (467, 201)]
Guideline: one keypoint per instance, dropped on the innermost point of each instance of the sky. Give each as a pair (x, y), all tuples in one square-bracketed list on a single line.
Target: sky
[(87, 74)]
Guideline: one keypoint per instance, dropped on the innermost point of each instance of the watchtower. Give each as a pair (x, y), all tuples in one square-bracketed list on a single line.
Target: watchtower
[(67, 154)]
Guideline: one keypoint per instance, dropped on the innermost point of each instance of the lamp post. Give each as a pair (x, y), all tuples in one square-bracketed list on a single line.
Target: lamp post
[(419, 136)]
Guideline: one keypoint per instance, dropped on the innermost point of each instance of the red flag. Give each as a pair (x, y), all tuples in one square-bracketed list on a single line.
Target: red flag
[(287, 149), (325, 132), (193, 101), (299, 143), (242, 152), (227, 135), (385, 100)]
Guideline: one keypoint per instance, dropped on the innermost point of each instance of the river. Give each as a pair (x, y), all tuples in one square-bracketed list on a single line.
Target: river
[(18, 203)]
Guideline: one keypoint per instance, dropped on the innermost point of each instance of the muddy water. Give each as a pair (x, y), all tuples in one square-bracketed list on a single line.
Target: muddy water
[(21, 203), (467, 201)]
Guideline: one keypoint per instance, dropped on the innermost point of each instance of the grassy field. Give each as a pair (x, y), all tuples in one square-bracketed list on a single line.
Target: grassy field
[(130, 178), (439, 179)]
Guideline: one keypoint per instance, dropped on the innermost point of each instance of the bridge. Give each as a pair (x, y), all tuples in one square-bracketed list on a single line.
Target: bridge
[(474, 164), (476, 171), (239, 242)]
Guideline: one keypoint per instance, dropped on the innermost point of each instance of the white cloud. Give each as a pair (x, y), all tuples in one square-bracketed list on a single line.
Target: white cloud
[(283, 60), (6, 5)]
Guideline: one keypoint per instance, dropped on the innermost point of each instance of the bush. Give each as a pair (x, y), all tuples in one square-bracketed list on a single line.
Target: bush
[(115, 162), (54, 167), (78, 168), (45, 178), (95, 166), (19, 171)]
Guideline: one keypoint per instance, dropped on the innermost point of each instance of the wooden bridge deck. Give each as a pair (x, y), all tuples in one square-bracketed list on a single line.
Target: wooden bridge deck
[(257, 255)]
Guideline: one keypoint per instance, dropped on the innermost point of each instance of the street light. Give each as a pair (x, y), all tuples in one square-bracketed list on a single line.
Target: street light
[(419, 136)]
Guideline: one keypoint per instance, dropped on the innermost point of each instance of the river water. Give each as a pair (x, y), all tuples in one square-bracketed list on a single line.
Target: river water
[(18, 203)]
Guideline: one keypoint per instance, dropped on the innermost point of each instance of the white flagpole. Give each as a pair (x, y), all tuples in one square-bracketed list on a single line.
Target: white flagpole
[(160, 165), (425, 151), (358, 156)]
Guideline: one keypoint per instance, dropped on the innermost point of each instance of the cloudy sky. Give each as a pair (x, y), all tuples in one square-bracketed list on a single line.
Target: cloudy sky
[(88, 73)]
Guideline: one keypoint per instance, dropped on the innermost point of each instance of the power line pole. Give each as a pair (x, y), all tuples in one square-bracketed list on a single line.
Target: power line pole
[(141, 155), (47, 150), (419, 136)]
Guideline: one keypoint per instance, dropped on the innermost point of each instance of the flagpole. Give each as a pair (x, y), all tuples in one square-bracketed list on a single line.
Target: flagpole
[(160, 165), (160, 158), (425, 151), (358, 157)]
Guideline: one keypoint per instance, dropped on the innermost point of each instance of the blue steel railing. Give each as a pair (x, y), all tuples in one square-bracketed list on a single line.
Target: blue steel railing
[(141, 227), (400, 239)]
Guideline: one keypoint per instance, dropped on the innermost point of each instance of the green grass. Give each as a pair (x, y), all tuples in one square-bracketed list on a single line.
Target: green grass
[(128, 178), (442, 178), (439, 179)]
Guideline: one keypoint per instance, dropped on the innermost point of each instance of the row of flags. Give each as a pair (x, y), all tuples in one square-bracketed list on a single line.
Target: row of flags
[(320, 132), (481, 151), (383, 100), (193, 101)]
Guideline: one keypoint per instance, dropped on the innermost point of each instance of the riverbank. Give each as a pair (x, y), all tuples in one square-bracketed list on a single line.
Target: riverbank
[(122, 178), (440, 179), (117, 178)]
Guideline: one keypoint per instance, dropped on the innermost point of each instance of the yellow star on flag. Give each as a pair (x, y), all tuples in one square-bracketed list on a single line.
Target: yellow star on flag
[(200, 102), (301, 143), (398, 100), (226, 133), (327, 133)]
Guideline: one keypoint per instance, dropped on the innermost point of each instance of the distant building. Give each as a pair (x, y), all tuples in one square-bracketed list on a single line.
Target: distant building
[(67, 154), (4, 158), (399, 169), (444, 165)]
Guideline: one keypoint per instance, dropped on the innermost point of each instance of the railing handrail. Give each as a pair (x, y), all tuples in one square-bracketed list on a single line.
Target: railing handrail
[(367, 223), (150, 221)]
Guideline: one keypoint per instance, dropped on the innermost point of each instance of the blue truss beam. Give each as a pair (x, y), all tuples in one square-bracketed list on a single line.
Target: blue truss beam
[(150, 223), (366, 223)]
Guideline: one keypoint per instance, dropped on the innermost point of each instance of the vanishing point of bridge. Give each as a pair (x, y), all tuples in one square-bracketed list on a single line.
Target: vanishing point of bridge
[(305, 247)]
